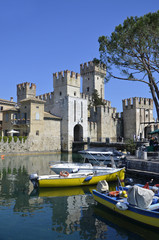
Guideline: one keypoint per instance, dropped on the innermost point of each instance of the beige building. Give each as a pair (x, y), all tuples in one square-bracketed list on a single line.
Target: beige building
[(5, 104), (28, 118)]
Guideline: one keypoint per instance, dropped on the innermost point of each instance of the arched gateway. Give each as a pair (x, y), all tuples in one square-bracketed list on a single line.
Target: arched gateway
[(78, 133)]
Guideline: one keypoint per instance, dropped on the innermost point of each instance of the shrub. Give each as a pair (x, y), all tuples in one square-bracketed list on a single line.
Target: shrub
[(9, 139), (24, 138), (20, 138), (15, 138), (5, 138), (130, 146), (0, 138)]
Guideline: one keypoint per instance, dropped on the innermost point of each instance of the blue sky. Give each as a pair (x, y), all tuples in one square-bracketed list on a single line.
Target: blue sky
[(41, 37)]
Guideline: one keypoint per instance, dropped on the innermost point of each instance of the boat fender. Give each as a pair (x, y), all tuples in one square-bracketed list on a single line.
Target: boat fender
[(87, 178), (121, 206), (33, 176), (75, 170), (64, 174)]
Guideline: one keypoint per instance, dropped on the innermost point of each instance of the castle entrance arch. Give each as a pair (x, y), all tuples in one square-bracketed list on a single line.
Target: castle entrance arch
[(78, 133)]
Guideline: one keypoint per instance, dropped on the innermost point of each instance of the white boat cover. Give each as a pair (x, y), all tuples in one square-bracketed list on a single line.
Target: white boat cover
[(140, 197)]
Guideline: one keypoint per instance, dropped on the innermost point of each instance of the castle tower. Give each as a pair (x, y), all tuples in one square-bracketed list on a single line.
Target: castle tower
[(66, 84), (137, 114), (25, 90), (93, 75), (69, 105)]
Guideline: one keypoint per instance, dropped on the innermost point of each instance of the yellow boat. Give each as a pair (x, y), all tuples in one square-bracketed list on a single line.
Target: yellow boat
[(77, 179), (148, 215)]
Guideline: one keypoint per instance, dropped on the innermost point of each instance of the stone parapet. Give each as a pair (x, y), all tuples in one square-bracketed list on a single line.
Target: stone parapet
[(138, 102), (91, 66), (66, 78)]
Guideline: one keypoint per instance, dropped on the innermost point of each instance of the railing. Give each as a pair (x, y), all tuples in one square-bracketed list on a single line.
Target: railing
[(21, 122), (105, 160)]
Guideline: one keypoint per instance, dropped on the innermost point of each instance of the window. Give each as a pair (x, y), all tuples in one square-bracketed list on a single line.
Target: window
[(74, 93), (88, 89), (37, 116), (37, 132), (15, 116), (82, 110), (60, 93), (74, 111), (1, 108), (37, 106)]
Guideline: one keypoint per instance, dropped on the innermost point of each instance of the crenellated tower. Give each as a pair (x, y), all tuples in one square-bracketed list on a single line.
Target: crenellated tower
[(137, 114), (26, 90), (93, 75), (66, 83)]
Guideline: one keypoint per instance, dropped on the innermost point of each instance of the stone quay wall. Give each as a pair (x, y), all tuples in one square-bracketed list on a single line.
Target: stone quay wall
[(30, 145)]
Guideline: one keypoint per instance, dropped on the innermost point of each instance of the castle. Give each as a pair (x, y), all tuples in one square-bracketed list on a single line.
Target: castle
[(67, 114)]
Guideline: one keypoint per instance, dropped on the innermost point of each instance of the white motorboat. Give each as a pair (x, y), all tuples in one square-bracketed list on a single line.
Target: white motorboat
[(104, 156), (79, 167)]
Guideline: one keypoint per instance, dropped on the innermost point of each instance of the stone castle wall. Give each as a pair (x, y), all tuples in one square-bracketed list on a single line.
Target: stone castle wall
[(32, 144)]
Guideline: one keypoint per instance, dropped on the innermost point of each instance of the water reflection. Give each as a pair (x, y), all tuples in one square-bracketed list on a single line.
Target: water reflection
[(121, 224), (54, 213)]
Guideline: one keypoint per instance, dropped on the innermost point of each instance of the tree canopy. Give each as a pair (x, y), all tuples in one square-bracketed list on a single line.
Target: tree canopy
[(96, 100), (133, 48)]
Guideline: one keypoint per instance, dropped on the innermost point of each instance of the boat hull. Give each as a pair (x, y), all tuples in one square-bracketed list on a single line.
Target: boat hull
[(71, 181), (147, 217)]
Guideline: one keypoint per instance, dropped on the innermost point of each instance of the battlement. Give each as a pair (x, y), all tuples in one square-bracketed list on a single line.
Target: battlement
[(119, 115), (46, 96), (85, 96), (26, 85), (107, 103), (25, 90), (66, 78), (92, 66), (137, 102)]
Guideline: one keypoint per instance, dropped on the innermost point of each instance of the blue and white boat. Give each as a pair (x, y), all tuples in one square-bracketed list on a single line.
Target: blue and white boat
[(139, 204)]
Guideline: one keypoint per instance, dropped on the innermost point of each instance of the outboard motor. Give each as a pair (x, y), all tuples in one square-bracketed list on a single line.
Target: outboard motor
[(34, 179), (129, 181)]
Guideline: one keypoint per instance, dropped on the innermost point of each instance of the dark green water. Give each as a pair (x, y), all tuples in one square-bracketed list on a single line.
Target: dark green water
[(55, 213)]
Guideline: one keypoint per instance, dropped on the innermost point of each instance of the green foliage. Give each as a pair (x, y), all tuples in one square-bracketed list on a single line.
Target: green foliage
[(130, 146), (133, 48), (96, 100), (97, 61), (24, 138), (5, 138), (9, 139), (15, 138), (0, 138), (20, 138)]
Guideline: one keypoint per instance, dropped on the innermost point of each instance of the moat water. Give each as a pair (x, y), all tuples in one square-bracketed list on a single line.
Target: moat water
[(69, 213)]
